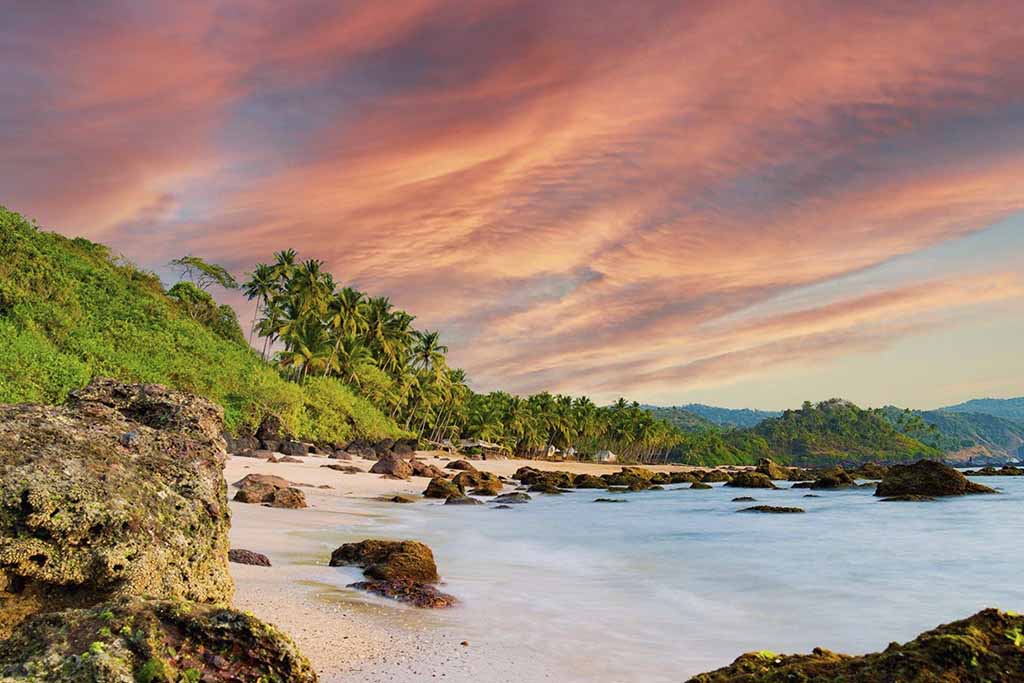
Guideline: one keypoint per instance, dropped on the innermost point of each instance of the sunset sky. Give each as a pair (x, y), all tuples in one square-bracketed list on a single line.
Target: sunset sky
[(734, 202)]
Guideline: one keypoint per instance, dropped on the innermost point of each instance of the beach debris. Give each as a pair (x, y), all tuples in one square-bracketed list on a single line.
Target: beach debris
[(240, 556), (987, 647), (927, 478)]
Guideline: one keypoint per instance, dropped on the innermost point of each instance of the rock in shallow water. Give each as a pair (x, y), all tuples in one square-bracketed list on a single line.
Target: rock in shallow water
[(153, 642), (773, 509), (411, 592), (927, 478), (985, 648), (87, 515), (241, 556), (387, 560)]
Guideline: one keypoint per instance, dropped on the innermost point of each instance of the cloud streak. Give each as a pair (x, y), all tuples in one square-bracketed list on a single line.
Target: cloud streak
[(580, 193)]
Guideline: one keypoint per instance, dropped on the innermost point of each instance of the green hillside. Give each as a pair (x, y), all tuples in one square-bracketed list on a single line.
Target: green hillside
[(681, 418), (70, 310), (838, 431), (1006, 408), (731, 417), (951, 432)]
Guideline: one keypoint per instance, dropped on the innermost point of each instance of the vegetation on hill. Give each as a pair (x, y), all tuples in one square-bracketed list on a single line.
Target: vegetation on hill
[(1006, 408), (683, 418), (955, 431), (71, 311), (730, 417)]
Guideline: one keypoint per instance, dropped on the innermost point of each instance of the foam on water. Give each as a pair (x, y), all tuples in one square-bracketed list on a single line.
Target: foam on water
[(676, 582)]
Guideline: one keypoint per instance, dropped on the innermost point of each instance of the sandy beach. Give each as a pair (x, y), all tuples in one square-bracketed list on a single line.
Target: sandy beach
[(346, 635)]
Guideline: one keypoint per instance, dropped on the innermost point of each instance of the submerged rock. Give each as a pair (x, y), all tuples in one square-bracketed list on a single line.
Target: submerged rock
[(610, 500), (240, 556), (773, 509), (411, 592), (545, 487), (119, 493), (927, 478), (442, 488), (908, 498), (150, 642), (387, 560), (699, 485), (401, 499), (462, 500), (744, 499), (514, 498), (985, 648), (750, 480)]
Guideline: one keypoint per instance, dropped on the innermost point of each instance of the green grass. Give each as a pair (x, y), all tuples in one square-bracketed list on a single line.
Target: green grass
[(71, 311)]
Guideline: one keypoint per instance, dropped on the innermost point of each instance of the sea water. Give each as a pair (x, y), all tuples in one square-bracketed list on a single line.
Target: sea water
[(676, 582)]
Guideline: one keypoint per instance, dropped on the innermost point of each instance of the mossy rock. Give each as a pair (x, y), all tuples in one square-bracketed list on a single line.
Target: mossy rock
[(985, 648), (589, 481), (442, 488), (767, 467), (750, 480), (389, 560), (119, 493), (715, 476), (926, 478), (149, 641)]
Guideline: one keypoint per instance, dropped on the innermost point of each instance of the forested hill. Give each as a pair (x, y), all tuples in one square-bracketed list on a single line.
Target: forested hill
[(838, 431), (682, 418), (962, 436), (71, 311), (731, 417), (1006, 408)]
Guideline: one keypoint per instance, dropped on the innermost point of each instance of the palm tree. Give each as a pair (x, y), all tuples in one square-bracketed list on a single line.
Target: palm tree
[(261, 285)]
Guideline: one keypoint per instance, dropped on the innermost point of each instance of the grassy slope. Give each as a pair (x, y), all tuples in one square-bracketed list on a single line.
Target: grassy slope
[(70, 312)]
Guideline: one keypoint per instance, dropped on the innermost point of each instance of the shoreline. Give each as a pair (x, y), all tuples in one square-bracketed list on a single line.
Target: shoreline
[(346, 634)]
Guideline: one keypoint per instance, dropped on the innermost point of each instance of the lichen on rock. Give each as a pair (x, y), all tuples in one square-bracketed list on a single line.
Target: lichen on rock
[(118, 493)]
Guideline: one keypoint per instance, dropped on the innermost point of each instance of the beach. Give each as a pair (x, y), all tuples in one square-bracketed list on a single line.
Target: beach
[(346, 635)]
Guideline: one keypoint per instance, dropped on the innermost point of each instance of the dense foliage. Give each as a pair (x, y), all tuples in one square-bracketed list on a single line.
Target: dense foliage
[(1006, 408), (70, 311), (682, 418), (730, 417), (955, 431)]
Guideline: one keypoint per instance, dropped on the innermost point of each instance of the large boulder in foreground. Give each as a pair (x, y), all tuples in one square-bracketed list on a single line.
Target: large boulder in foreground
[(985, 648), (118, 493), (153, 642), (926, 478)]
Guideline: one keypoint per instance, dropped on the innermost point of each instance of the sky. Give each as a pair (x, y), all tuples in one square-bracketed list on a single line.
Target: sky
[(739, 202)]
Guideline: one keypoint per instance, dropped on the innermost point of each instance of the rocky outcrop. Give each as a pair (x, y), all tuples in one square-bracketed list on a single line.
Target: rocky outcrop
[(985, 648), (927, 478), (270, 490), (241, 556), (401, 570), (750, 480), (442, 488), (118, 493), (150, 642), (392, 465)]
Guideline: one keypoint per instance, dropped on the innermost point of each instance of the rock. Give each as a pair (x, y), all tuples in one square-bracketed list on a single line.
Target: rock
[(289, 458), (241, 443), (907, 498), (344, 469), (239, 556), (834, 479), (388, 560), (401, 499), (290, 498), (772, 509), (341, 455), (985, 648), (629, 476), (767, 467), (515, 498), (989, 471), (545, 488), (294, 448), (442, 488), (411, 592), (699, 485), (462, 500), (87, 516), (480, 480), (684, 478), (811, 495), (502, 507), (715, 476), (270, 490), (150, 641), (405, 447), (422, 469), (927, 478), (750, 480), (269, 429), (870, 470), (744, 499), (610, 500), (488, 488), (661, 478), (588, 481), (392, 465), (464, 465)]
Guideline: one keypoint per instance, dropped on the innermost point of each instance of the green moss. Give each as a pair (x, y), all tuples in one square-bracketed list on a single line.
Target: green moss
[(153, 671)]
